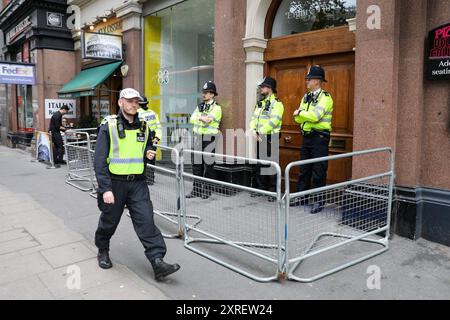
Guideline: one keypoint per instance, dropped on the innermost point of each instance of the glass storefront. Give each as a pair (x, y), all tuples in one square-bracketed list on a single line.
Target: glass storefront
[(24, 108), (296, 16), (179, 57)]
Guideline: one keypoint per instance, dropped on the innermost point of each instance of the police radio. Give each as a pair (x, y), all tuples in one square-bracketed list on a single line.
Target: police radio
[(201, 107), (121, 129)]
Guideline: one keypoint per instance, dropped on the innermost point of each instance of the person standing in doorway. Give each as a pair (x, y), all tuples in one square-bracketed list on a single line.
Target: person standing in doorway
[(314, 117)]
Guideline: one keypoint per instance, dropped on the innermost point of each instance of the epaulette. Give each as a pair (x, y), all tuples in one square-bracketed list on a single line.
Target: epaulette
[(107, 118)]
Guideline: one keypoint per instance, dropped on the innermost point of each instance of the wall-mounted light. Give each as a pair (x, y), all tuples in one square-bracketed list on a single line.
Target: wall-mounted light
[(104, 19), (91, 27), (124, 70)]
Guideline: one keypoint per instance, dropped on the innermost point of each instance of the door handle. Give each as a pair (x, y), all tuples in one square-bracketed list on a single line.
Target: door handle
[(288, 139)]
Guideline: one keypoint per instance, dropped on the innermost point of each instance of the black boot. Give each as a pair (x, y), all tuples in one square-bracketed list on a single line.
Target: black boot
[(162, 269), (103, 259)]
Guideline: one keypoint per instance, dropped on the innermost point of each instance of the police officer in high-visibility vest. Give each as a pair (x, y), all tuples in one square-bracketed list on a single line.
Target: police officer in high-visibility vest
[(206, 121), (152, 119), (266, 125), (314, 117), (122, 143)]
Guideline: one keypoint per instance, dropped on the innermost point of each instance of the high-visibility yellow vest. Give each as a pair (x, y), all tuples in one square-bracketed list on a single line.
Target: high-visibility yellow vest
[(267, 117), (152, 119), (316, 114), (214, 111), (126, 156)]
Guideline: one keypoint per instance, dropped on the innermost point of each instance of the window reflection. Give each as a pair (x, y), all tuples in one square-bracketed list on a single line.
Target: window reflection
[(297, 16)]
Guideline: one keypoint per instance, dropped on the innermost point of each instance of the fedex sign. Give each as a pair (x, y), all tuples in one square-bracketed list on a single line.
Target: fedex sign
[(17, 74)]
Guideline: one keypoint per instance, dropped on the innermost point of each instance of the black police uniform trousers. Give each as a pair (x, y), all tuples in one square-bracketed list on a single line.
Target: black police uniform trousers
[(315, 145), (202, 168), (58, 151), (264, 152), (136, 196)]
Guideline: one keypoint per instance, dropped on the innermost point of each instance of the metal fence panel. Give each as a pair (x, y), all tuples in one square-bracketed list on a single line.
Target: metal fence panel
[(79, 148), (231, 216), (357, 210)]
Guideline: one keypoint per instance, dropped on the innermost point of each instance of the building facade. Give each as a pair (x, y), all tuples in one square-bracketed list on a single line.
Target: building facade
[(374, 53), (36, 40)]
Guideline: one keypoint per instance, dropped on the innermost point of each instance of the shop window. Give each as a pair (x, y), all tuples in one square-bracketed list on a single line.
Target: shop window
[(24, 108), (297, 16), (179, 56)]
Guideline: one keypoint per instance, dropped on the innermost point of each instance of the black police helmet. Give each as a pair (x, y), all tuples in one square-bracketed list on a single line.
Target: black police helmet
[(210, 87), (269, 82), (316, 72), (143, 101)]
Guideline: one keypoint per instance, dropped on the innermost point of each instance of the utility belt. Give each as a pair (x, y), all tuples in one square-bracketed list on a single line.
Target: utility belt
[(129, 177), (314, 133)]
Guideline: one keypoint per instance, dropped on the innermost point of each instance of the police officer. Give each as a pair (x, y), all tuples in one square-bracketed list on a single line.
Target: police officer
[(206, 120), (122, 143), (55, 129), (152, 119), (314, 117), (266, 125)]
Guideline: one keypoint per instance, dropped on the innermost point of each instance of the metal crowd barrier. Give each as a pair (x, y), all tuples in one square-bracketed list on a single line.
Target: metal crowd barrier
[(237, 227), (232, 217), (79, 146), (165, 190), (354, 211)]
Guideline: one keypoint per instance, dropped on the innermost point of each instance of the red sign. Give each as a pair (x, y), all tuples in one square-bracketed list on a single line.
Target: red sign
[(438, 62)]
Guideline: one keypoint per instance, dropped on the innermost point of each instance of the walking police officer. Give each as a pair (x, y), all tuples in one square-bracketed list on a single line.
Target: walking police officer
[(206, 120), (266, 125), (122, 143), (314, 116), (152, 119)]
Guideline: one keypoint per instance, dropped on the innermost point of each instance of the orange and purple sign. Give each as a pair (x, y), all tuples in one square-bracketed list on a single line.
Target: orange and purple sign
[(13, 73)]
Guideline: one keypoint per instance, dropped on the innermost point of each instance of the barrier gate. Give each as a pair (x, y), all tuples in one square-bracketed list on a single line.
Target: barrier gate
[(79, 145)]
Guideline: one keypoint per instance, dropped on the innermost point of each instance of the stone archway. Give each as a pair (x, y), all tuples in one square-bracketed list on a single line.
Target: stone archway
[(254, 44)]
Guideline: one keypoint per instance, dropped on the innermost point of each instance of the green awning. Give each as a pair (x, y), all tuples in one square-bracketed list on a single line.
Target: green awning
[(87, 80)]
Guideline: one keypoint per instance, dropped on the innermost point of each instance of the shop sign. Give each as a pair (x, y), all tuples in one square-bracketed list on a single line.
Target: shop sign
[(17, 74), (438, 61), (53, 105), (22, 26), (101, 46), (111, 27), (54, 19)]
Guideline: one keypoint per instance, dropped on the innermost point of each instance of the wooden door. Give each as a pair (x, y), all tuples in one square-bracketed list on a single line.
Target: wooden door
[(290, 74)]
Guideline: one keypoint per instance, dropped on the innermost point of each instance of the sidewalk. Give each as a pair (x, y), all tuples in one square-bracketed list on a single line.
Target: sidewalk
[(47, 225), (38, 254)]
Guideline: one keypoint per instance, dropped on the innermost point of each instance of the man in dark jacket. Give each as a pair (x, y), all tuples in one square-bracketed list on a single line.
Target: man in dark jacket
[(122, 144), (55, 129)]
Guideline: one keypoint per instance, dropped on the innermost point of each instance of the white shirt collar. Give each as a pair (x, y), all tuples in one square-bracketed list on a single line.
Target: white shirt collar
[(316, 93)]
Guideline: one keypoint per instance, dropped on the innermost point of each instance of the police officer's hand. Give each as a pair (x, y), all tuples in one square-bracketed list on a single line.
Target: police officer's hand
[(297, 112), (150, 154), (108, 197)]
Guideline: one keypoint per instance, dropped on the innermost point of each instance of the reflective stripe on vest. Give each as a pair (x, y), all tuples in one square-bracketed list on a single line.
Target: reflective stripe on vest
[(207, 128)]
